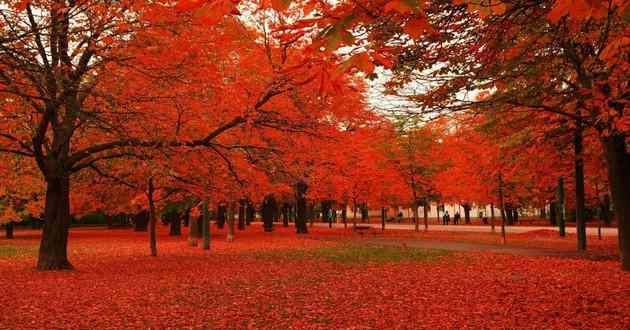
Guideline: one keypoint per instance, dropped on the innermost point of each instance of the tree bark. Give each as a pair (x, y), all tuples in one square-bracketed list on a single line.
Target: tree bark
[(618, 162), (175, 225), (152, 220), (466, 213), (383, 217), (205, 225), (300, 218), (54, 243), (286, 209), (221, 213), (560, 210), (8, 230), (230, 222), (580, 221), (425, 210), (502, 202), (241, 215), (193, 233), (268, 212)]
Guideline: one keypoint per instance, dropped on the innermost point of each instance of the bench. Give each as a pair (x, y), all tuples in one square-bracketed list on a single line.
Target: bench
[(361, 230)]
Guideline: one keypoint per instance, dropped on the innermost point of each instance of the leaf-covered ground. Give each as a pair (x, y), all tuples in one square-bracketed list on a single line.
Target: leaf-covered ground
[(280, 281)]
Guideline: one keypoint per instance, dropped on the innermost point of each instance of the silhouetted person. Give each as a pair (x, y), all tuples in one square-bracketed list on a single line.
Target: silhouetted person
[(446, 218), (456, 218)]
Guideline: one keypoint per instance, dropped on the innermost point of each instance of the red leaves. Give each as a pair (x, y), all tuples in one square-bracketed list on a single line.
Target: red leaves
[(260, 282), (577, 9)]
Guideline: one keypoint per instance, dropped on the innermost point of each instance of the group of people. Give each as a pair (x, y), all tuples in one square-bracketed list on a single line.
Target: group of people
[(446, 218)]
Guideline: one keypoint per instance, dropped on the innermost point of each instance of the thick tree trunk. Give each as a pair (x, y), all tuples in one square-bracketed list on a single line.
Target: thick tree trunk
[(618, 161), (8, 230), (152, 220), (344, 215), (383, 217), (580, 221), (54, 243), (300, 216)]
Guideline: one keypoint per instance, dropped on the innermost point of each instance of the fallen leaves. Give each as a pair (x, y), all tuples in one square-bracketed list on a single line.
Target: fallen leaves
[(118, 286)]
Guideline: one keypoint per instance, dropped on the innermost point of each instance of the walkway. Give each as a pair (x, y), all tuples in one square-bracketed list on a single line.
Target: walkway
[(477, 228)]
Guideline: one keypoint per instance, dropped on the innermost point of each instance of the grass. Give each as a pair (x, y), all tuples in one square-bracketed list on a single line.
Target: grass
[(358, 254), (17, 251)]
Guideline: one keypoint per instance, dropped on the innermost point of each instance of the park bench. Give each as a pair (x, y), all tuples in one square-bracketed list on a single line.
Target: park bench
[(362, 229)]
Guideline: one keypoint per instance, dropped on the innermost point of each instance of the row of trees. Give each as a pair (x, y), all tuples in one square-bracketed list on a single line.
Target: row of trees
[(125, 105)]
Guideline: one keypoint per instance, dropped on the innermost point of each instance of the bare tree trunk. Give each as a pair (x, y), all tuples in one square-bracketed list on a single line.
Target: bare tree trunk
[(560, 211), (53, 247), (425, 210), (152, 220), (8, 230), (580, 221), (492, 217), (230, 222), (205, 225), (502, 202), (618, 162), (300, 217), (241, 214)]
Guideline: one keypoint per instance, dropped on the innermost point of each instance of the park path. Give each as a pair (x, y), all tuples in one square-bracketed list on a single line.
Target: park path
[(477, 228), (470, 247)]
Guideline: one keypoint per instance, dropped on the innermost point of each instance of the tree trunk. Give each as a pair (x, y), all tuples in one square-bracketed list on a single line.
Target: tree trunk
[(241, 215), (176, 225), (492, 216), (8, 229), (425, 210), (53, 247), (580, 221), (415, 216), (383, 217), (344, 215), (437, 211), (193, 233), (618, 161), (205, 225), (502, 202), (286, 209), (268, 210), (187, 217), (152, 221), (250, 214), (221, 210), (230, 222), (553, 211), (466, 213), (300, 217), (560, 210)]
